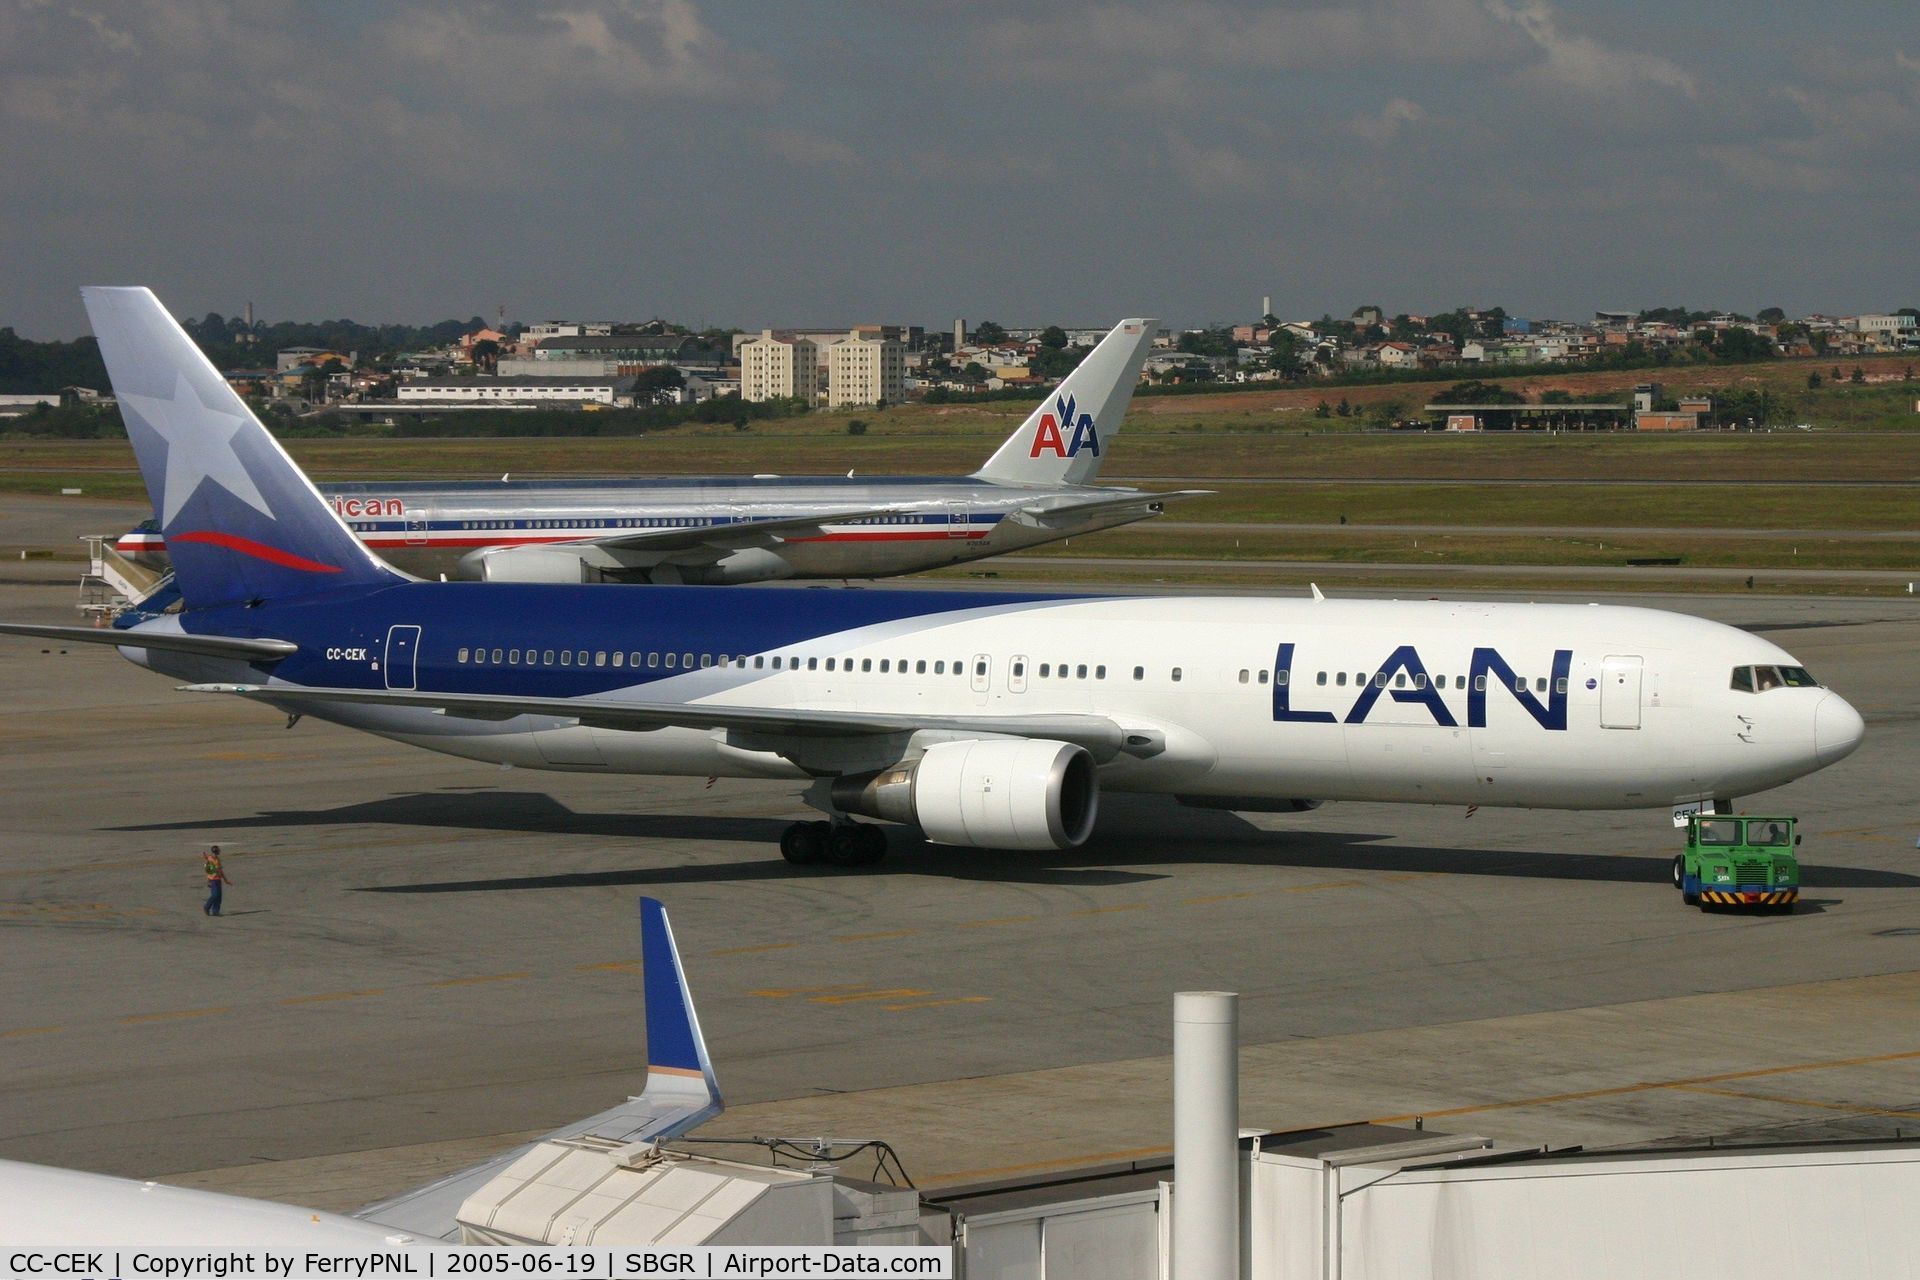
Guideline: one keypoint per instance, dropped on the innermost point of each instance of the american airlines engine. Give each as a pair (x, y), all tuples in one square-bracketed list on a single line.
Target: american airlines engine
[(1038, 487), (984, 721)]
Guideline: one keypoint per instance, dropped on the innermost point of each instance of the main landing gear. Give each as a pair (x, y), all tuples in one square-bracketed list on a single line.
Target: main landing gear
[(839, 844)]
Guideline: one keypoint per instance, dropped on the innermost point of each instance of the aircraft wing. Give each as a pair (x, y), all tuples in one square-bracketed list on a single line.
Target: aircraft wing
[(735, 535), (173, 641), (1064, 512), (681, 1092), (1097, 734)]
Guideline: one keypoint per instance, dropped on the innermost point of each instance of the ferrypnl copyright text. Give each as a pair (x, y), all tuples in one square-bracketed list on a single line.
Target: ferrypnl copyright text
[(432, 1263)]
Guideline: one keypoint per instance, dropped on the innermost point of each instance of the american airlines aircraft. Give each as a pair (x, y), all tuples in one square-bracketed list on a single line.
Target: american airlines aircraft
[(986, 721), (1038, 487)]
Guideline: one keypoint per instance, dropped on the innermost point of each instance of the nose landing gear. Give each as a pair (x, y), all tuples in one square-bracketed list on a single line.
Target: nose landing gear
[(839, 844)]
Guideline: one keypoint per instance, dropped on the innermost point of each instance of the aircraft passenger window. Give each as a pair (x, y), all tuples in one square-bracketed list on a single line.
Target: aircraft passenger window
[(813, 664), (600, 658), (759, 661), (1044, 668), (706, 660), (1340, 679), (776, 662), (1139, 673), (496, 657), (1321, 678), (920, 667), (1560, 685), (1100, 673), (1019, 669), (619, 659), (1080, 672), (829, 664), (653, 659), (513, 657), (1245, 675), (1379, 679), (1459, 682), (1420, 680), (866, 664), (940, 667), (1176, 674), (1400, 680), (673, 661), (1519, 684), (566, 657), (980, 667), (686, 660), (1743, 679), (1539, 684), (1479, 684), (884, 663), (463, 654)]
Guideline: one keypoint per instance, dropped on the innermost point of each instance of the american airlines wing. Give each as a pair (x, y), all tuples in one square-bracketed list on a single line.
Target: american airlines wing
[(736, 534), (1067, 510), (1102, 737)]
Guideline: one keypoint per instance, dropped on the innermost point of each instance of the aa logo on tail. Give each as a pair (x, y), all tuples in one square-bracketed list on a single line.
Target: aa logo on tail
[(1052, 436)]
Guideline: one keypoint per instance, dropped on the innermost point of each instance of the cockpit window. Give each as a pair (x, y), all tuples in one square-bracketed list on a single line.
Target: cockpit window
[(1720, 831), (1762, 679)]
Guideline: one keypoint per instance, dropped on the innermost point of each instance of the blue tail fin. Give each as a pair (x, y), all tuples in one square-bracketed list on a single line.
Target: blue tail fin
[(676, 1051), (240, 519)]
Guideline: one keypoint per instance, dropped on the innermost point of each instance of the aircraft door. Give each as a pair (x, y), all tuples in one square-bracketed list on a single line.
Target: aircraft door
[(401, 662), (416, 528), (982, 665), (1620, 692), (1017, 673), (959, 520)]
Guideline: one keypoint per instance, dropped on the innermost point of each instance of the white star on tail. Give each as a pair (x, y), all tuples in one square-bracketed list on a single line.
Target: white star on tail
[(199, 447)]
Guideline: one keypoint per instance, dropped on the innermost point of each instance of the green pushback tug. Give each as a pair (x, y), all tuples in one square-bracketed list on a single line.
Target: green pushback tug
[(1739, 860)]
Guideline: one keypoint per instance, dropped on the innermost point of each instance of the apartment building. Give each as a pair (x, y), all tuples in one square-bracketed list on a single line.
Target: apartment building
[(772, 366)]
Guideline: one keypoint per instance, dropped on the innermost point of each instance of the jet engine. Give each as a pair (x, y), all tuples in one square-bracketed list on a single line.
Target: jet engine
[(985, 793), (527, 564)]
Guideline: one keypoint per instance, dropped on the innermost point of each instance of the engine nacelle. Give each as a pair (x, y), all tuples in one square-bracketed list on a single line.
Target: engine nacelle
[(527, 564), (985, 793)]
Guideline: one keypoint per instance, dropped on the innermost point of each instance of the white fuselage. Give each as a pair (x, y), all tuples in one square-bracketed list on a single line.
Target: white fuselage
[(1228, 697)]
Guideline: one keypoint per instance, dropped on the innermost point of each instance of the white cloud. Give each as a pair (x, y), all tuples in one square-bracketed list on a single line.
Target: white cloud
[(1586, 65), (1386, 124)]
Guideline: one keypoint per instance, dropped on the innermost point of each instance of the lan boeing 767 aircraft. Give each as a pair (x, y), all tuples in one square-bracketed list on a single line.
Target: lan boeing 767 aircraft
[(987, 722)]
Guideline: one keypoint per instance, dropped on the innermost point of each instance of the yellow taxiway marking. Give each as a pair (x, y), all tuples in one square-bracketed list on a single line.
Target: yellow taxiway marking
[(896, 993), (742, 951), (481, 977), (989, 924), (1221, 897), (606, 966), (1647, 1086), (1097, 1157), (334, 995), (782, 993), (208, 1012), (1778, 1100), (1107, 911), (29, 1031), (875, 937), (935, 1004)]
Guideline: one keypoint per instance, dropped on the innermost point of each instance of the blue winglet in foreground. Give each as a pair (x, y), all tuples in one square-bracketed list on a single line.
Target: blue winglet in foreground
[(681, 1093)]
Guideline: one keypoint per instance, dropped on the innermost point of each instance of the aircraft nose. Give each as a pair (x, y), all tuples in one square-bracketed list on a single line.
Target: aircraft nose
[(1837, 729)]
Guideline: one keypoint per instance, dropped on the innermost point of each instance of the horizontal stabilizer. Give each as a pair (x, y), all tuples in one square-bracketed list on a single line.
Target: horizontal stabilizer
[(681, 1093), (1070, 512), (171, 641)]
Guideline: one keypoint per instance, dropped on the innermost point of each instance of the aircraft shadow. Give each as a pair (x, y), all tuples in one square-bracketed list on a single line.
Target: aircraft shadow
[(1136, 833)]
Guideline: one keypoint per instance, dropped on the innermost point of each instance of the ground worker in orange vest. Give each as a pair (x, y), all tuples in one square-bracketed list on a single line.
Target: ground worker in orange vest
[(216, 879)]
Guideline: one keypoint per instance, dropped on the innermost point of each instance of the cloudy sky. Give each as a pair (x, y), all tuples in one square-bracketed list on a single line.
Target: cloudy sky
[(825, 163)]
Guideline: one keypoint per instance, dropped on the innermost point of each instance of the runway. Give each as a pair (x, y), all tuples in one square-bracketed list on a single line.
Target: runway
[(427, 956)]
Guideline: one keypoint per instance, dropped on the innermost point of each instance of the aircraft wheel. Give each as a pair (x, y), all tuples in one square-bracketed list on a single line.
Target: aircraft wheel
[(803, 844), (855, 845)]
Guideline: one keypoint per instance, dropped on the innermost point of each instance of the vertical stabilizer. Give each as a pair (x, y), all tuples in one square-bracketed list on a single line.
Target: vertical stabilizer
[(1065, 440), (241, 521), (677, 1062)]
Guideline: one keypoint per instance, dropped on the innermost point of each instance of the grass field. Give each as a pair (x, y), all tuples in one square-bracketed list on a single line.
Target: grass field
[(1254, 446)]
